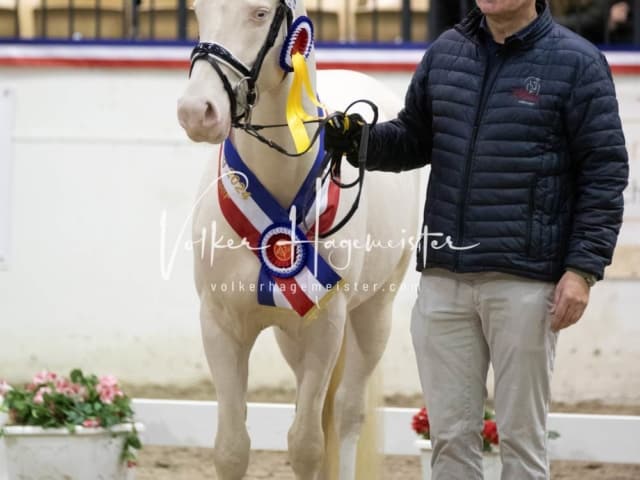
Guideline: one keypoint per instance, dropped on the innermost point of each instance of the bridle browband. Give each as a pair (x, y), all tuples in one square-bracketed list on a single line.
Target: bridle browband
[(215, 54)]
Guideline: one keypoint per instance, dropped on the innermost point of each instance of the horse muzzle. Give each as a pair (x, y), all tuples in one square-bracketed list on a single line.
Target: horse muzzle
[(201, 119)]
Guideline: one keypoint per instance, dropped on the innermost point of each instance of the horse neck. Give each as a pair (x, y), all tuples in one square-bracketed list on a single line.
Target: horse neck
[(280, 175)]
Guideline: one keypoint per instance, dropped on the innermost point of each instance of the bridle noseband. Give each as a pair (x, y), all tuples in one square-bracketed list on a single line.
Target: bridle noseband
[(215, 54)]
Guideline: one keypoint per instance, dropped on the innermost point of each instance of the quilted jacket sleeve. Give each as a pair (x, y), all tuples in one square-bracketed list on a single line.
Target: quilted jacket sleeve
[(597, 148), (404, 143)]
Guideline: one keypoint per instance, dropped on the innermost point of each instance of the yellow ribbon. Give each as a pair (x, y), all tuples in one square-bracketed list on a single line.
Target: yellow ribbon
[(296, 114)]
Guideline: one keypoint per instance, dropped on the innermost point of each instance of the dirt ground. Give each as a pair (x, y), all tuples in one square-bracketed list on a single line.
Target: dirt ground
[(164, 463)]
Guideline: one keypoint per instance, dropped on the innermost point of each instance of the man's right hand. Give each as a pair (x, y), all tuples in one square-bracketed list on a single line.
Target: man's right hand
[(570, 301), (342, 135)]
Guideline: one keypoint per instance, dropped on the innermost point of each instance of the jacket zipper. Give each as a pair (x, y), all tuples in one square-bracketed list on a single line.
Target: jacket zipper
[(484, 98), (532, 191)]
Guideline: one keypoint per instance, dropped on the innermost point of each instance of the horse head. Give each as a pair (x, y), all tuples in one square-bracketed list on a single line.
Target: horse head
[(237, 57)]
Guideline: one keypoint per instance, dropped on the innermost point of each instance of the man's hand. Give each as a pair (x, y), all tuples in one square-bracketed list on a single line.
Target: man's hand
[(571, 299), (342, 135)]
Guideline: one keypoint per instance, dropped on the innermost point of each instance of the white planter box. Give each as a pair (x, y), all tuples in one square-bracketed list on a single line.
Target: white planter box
[(34, 453), (490, 461)]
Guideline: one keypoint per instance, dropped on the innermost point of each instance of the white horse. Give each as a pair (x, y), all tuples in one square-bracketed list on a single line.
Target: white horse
[(356, 321)]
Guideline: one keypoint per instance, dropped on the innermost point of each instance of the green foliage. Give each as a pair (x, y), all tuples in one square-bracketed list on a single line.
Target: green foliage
[(552, 435)]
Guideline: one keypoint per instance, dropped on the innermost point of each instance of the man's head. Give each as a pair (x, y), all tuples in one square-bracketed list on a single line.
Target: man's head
[(506, 9)]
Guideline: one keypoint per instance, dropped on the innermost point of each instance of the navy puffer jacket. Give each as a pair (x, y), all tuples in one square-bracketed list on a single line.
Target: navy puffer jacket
[(527, 165)]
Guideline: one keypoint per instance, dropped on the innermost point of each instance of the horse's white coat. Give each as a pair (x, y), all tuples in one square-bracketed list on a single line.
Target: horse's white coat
[(360, 314)]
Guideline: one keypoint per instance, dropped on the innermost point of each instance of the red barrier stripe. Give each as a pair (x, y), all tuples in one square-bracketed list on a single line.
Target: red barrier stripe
[(369, 67), (48, 62), (625, 69)]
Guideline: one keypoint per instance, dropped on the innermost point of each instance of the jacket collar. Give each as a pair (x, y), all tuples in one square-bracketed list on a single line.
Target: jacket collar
[(471, 27)]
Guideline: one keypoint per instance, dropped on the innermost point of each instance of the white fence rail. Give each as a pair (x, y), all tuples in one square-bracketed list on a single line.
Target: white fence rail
[(597, 438)]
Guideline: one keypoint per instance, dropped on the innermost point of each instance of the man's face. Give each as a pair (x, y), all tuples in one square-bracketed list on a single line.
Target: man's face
[(504, 8)]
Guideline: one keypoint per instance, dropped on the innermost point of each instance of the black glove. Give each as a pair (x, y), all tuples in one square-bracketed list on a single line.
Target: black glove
[(342, 135)]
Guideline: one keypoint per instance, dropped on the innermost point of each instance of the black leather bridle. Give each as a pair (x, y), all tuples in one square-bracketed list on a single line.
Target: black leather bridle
[(245, 95), (245, 92)]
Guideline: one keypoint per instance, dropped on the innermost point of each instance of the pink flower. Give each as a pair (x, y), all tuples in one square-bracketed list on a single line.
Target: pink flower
[(44, 377), (108, 389), (108, 381), (72, 390), (39, 396), (4, 388), (109, 394), (63, 386), (91, 423)]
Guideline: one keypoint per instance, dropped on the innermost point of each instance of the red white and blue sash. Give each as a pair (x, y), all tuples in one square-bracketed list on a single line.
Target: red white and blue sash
[(292, 275)]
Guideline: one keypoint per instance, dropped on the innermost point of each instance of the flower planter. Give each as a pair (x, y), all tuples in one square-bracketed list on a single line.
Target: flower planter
[(490, 461), (35, 453)]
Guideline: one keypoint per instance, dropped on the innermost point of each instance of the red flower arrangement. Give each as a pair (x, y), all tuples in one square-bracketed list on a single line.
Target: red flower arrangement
[(490, 431), (420, 425)]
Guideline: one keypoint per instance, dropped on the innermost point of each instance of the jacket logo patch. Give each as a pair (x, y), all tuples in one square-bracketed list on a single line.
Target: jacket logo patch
[(529, 94)]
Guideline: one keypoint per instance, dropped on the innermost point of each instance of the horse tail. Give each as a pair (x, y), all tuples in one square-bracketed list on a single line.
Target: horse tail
[(369, 460)]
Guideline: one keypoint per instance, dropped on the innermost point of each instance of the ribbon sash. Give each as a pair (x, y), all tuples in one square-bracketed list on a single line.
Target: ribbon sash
[(292, 275)]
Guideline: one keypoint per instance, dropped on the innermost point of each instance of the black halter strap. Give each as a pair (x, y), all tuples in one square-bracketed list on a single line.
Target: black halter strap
[(215, 54)]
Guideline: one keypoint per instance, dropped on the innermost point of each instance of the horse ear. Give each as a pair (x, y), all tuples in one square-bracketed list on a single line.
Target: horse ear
[(299, 40)]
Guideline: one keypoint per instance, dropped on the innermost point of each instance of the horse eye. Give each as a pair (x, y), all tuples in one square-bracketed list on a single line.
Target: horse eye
[(261, 14)]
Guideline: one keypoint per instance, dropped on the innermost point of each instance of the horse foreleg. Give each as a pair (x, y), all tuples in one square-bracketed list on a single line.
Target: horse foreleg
[(228, 358), (366, 338), (312, 353)]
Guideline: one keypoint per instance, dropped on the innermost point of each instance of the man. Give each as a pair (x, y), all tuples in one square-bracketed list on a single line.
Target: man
[(518, 118)]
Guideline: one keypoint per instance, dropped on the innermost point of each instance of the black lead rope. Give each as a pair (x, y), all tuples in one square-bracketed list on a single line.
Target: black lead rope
[(335, 173), (333, 160)]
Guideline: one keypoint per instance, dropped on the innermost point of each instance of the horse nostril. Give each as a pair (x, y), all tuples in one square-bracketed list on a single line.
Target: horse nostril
[(210, 114)]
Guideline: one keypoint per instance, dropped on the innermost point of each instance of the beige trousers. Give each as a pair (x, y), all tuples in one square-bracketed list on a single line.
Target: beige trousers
[(460, 323)]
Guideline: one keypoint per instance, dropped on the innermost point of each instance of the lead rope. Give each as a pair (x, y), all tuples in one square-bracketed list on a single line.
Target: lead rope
[(335, 177), (333, 160)]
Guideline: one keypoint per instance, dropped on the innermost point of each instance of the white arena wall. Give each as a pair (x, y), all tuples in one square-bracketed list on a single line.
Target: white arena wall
[(97, 158)]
